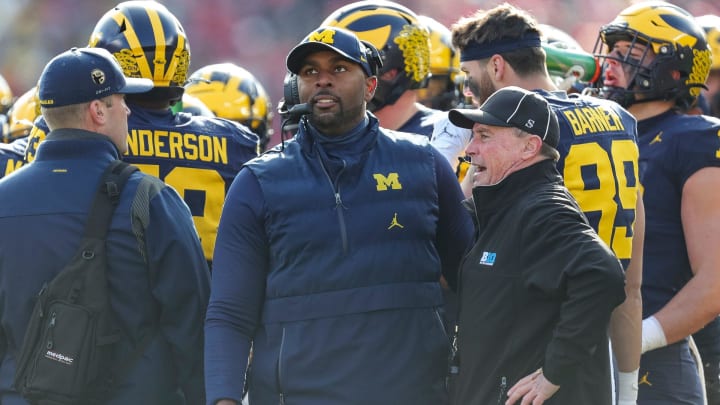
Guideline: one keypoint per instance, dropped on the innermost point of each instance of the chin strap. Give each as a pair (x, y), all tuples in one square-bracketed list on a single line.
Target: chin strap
[(626, 98)]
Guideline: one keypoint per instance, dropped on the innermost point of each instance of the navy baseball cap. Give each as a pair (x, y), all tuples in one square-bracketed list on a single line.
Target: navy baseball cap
[(339, 40), (80, 75), (513, 107)]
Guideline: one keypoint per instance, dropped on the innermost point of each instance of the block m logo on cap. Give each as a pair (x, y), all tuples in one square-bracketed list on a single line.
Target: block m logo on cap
[(324, 36)]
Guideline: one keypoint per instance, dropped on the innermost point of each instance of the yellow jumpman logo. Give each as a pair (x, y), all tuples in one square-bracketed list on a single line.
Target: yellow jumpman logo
[(395, 222), (644, 379), (657, 138)]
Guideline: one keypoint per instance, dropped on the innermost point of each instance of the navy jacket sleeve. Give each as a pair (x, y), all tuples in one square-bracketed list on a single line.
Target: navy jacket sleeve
[(455, 226), (237, 289), (180, 283)]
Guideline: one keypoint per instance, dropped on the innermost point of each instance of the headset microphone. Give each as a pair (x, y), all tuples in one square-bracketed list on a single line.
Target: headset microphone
[(291, 118), (299, 110)]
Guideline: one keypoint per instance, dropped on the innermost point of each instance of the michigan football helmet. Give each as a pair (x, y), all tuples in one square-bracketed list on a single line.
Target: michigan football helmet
[(22, 114), (443, 90), (711, 24), (149, 42), (6, 95), (403, 42), (231, 92), (681, 55)]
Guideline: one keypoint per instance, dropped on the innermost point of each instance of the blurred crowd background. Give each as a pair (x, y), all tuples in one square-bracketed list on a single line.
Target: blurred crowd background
[(255, 34)]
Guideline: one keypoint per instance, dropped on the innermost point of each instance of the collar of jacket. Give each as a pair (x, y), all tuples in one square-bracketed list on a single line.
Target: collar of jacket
[(72, 143), (490, 199), (646, 125), (358, 140)]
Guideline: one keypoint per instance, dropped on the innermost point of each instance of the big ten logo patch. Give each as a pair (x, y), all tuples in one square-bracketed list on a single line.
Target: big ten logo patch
[(487, 259)]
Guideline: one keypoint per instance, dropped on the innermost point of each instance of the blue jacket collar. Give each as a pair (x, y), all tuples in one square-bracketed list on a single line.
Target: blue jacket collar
[(359, 140), (71, 143)]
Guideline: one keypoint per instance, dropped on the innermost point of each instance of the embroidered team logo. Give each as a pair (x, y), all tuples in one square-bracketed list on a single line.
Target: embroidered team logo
[(394, 223), (487, 259), (644, 379), (326, 36), (98, 76), (389, 182), (657, 139)]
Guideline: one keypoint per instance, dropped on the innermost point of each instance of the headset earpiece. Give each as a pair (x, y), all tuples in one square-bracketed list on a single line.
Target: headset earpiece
[(373, 57), (290, 90)]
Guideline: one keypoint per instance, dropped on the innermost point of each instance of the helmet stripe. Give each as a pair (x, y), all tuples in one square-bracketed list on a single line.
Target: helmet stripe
[(173, 66), (159, 62), (134, 43)]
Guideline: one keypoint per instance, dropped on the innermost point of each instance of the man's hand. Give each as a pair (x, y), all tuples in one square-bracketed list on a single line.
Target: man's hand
[(533, 389)]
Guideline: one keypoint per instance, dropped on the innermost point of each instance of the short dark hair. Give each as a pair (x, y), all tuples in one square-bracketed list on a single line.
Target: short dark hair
[(503, 22)]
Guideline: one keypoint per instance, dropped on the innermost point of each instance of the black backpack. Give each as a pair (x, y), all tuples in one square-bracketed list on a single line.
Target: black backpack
[(67, 353)]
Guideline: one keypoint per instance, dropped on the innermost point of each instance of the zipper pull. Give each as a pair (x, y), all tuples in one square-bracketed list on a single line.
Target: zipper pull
[(44, 288), (51, 325), (503, 389), (503, 384), (454, 363), (456, 329), (338, 201)]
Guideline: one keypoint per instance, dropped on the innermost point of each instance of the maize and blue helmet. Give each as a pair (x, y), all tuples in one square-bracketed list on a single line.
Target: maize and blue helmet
[(711, 25), (233, 93), (149, 42), (682, 56), (6, 96), (444, 90), (22, 114), (402, 40)]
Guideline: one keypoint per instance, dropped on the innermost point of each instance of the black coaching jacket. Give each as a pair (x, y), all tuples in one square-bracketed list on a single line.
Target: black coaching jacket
[(536, 291)]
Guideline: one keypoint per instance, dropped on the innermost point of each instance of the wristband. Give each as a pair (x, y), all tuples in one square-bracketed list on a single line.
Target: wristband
[(628, 387), (653, 336)]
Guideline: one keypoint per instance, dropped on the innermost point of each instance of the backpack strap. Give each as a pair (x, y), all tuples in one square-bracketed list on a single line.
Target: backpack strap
[(147, 189), (106, 199)]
